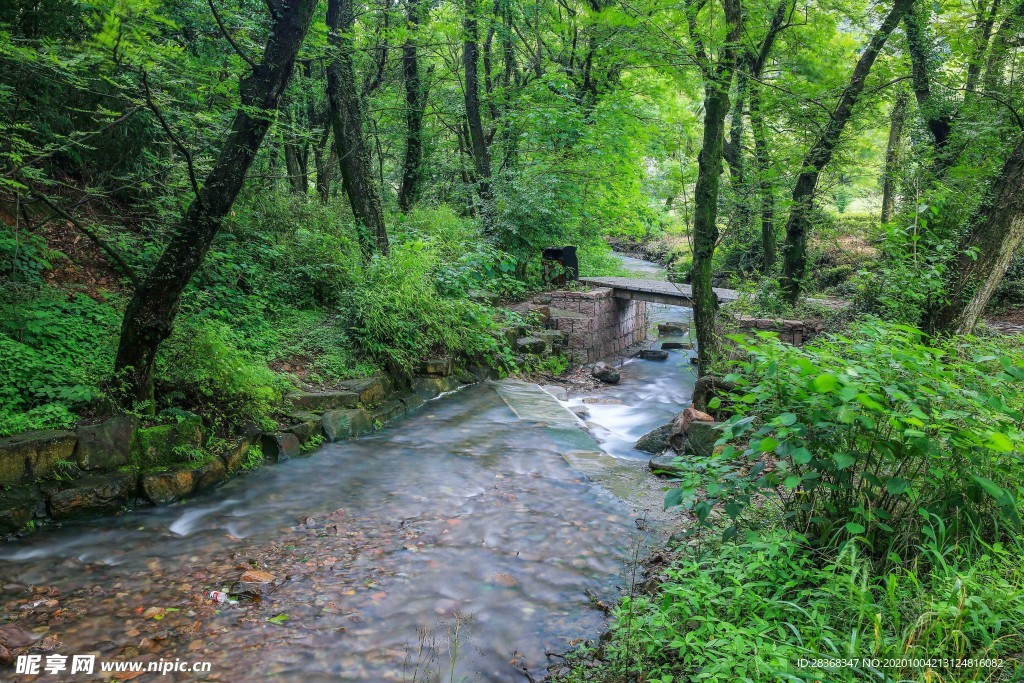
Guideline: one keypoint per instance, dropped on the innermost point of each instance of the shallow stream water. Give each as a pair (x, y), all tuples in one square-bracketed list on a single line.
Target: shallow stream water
[(461, 527)]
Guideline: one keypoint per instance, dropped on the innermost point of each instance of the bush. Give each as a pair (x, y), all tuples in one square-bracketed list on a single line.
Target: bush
[(56, 353), (855, 434), (399, 315), (201, 367), (751, 611)]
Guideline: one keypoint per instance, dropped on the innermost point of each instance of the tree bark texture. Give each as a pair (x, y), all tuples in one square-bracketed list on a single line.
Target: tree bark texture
[(477, 139), (986, 251), (764, 182), (346, 120), (415, 102)]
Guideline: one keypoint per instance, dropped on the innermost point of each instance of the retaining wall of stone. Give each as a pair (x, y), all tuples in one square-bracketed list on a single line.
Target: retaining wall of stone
[(596, 323), (794, 332)]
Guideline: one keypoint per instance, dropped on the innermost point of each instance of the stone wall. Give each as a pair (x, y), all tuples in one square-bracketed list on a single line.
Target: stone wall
[(597, 325), (794, 332)]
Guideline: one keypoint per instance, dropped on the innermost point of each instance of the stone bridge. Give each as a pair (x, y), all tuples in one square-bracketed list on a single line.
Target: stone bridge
[(657, 291)]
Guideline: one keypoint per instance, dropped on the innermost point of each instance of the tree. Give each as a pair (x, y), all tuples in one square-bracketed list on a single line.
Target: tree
[(346, 120), (478, 143), (718, 77), (985, 251), (415, 102), (897, 118), (149, 316), (798, 226)]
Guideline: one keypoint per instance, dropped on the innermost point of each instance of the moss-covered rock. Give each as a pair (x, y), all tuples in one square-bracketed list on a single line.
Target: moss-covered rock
[(370, 390), (234, 458), (33, 455), (319, 401), (17, 508), (280, 446), (168, 444), (210, 474), (106, 445), (342, 424)]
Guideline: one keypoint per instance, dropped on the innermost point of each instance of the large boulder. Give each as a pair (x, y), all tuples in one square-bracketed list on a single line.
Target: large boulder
[(91, 494), (234, 458), (34, 455), (210, 474), (605, 373), (531, 344), (652, 354), (341, 424), (306, 430), (701, 438), (106, 445), (707, 387), (387, 412), (432, 387), (656, 440), (168, 444), (437, 367), (681, 426)]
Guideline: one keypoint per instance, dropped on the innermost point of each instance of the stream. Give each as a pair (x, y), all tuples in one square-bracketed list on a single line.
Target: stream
[(458, 543)]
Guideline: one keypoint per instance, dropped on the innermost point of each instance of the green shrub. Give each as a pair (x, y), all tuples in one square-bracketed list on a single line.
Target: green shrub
[(201, 367), (751, 611), (865, 429), (56, 352), (399, 315)]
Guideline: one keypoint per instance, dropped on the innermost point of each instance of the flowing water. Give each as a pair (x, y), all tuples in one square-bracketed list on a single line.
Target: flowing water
[(472, 525)]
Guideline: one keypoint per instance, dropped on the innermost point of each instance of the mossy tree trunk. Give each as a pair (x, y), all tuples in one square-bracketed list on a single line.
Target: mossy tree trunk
[(346, 120), (985, 251), (718, 79), (149, 316), (415, 102), (892, 151)]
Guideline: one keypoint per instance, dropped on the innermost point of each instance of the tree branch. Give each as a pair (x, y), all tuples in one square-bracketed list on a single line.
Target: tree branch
[(220, 24), (170, 134)]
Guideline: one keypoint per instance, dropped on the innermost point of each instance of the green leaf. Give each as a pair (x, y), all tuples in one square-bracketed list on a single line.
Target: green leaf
[(896, 485), (277, 619), (801, 456), (854, 528), (786, 419), (825, 383), (715, 402), (843, 460), (999, 442)]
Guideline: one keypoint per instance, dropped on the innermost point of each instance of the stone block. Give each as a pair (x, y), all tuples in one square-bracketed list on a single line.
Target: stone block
[(235, 456), (34, 455), (279, 446), (387, 412), (306, 430), (319, 401), (342, 424), (17, 508), (161, 488), (162, 444), (369, 390), (437, 367), (106, 445), (209, 475), (94, 493)]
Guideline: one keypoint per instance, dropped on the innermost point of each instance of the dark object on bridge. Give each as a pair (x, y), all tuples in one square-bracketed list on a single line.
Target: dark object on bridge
[(560, 265)]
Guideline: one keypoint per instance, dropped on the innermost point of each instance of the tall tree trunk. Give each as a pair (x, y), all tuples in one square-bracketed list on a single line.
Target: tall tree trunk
[(149, 316), (982, 38), (325, 156), (415, 101), (718, 81), (1000, 48), (922, 61), (764, 183), (986, 251), (477, 140), (794, 257), (346, 120), (296, 161), (892, 152)]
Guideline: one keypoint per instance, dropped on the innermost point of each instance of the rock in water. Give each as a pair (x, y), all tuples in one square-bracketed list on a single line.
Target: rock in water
[(605, 373), (655, 441), (683, 425), (665, 466), (653, 354)]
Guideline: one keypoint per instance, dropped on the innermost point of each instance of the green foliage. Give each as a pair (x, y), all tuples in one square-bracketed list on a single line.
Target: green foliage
[(253, 457), (399, 314), (865, 430), (56, 352), (750, 611), (202, 365)]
